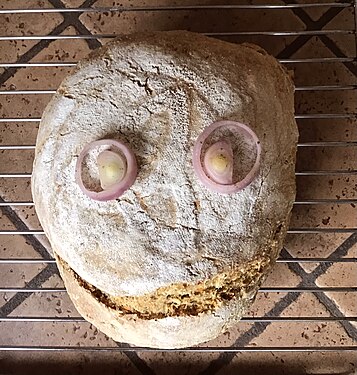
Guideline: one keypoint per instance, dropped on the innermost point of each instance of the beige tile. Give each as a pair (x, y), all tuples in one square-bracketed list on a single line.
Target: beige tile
[(70, 363), (24, 24), (53, 334), (317, 245), (306, 305), (28, 23), (13, 161), (51, 304), (304, 334), (264, 302), (15, 246), (331, 101), (64, 50), (18, 276), (329, 187), (44, 78), (342, 275), (30, 78), (290, 334), (344, 20), (202, 20), (177, 363), (327, 130), (4, 298), (324, 216), (282, 276), (328, 73), (24, 105), (18, 133), (352, 252), (346, 302), (25, 4), (289, 363)]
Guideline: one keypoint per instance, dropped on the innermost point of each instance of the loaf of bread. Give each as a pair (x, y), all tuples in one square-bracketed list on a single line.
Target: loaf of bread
[(169, 263)]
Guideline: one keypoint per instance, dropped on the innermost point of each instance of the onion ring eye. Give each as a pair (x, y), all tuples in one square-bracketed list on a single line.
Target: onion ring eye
[(116, 168), (226, 156)]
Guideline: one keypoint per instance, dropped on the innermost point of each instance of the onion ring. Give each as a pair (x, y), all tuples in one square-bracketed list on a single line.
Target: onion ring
[(200, 170), (116, 190)]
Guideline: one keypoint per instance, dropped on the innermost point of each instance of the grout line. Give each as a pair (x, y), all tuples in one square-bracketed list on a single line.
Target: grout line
[(92, 43), (332, 46), (241, 336), (338, 253), (147, 8), (68, 20), (299, 42), (244, 339), (332, 307), (328, 303), (310, 279), (304, 17), (225, 358), (32, 52), (35, 282), (74, 20), (138, 362), (21, 226)]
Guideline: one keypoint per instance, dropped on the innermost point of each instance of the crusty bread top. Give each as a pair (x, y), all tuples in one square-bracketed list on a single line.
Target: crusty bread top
[(157, 92)]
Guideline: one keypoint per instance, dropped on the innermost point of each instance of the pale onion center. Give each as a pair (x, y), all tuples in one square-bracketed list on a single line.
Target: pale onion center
[(219, 163), (112, 168)]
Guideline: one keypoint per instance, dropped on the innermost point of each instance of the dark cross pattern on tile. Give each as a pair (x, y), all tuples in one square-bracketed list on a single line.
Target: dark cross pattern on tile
[(41, 277), (337, 51), (21, 226), (307, 280), (72, 19), (36, 282), (314, 25), (69, 19), (300, 41)]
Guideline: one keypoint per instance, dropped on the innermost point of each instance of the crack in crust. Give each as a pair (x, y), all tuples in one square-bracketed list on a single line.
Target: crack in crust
[(186, 299)]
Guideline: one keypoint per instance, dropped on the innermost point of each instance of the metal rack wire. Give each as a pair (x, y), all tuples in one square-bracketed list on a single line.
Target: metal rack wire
[(309, 286)]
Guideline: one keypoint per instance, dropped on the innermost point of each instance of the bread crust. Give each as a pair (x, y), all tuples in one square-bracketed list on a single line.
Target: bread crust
[(157, 92), (168, 333)]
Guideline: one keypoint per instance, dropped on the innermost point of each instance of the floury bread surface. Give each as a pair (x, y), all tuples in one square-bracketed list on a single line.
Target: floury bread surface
[(169, 263)]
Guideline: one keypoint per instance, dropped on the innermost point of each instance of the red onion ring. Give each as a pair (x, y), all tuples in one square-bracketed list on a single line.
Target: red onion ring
[(117, 189), (199, 169)]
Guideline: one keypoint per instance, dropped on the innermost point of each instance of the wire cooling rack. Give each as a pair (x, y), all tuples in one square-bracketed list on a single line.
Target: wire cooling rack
[(322, 131)]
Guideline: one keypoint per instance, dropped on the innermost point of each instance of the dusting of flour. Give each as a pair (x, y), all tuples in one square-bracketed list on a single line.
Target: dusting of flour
[(167, 228)]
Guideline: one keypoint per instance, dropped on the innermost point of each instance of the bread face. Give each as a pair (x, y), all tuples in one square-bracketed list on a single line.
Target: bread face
[(168, 248)]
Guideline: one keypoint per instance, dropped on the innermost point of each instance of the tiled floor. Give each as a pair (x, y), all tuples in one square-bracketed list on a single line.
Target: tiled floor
[(341, 189)]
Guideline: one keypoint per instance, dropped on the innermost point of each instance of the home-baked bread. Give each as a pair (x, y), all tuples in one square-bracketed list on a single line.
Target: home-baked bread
[(170, 263)]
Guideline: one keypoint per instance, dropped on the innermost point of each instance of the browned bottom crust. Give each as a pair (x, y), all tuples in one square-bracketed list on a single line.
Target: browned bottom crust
[(179, 315), (185, 299), (166, 332)]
